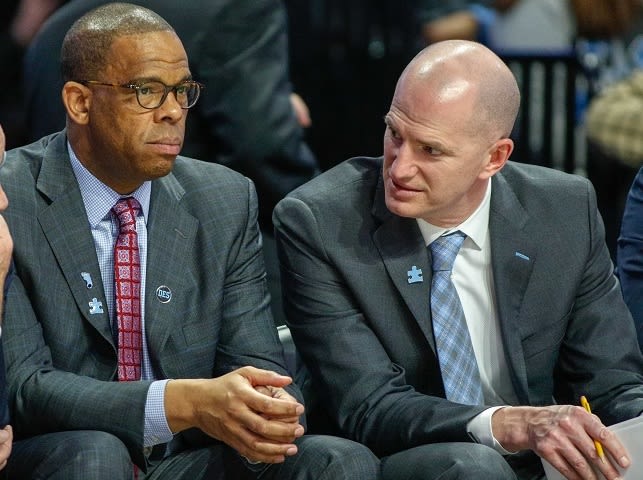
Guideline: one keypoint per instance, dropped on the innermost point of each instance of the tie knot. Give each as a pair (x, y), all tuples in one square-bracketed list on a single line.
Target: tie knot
[(125, 211), (444, 250)]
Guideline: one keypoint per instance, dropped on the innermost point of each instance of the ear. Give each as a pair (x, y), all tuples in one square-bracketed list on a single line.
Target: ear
[(498, 155), (77, 100)]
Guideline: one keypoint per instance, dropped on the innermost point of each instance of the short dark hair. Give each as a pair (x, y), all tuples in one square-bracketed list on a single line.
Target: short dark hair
[(87, 43)]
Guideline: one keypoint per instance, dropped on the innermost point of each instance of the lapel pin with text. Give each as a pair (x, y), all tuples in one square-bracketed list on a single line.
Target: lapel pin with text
[(163, 294)]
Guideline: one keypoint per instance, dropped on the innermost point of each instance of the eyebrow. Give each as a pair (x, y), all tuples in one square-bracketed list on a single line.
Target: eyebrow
[(187, 78), (424, 143)]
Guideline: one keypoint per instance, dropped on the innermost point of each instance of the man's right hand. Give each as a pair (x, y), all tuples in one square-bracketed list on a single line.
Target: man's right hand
[(564, 436), (231, 409)]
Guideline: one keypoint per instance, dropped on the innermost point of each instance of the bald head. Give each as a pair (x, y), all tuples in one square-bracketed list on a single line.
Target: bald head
[(456, 69)]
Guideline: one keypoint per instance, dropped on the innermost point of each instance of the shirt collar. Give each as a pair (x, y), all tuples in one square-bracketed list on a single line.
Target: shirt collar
[(98, 198), (475, 227)]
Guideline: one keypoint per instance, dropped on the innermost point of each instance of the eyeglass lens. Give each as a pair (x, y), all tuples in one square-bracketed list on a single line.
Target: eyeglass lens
[(153, 94)]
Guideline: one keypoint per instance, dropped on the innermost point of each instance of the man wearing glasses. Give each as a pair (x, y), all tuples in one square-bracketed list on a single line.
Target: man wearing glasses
[(138, 336)]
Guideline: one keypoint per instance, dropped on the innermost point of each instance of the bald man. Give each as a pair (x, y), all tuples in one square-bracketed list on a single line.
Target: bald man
[(530, 285)]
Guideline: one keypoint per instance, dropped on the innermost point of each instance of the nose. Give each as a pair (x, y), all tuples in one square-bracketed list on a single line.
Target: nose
[(402, 163), (170, 109)]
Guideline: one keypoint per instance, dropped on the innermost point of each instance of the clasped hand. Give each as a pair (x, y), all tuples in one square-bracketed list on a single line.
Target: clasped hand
[(564, 436), (247, 409)]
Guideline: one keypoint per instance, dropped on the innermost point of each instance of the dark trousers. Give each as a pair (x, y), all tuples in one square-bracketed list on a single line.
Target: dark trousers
[(91, 455), (460, 461)]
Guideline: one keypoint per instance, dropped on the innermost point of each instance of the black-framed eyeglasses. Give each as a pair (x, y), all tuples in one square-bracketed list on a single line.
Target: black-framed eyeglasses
[(151, 94)]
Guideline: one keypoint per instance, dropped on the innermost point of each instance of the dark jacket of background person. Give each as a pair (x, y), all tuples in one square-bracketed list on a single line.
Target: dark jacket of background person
[(244, 118), (629, 254), (19, 22), (345, 60)]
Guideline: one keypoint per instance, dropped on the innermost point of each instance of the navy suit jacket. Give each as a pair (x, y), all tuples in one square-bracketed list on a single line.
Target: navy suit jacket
[(203, 243), (629, 254), (365, 332)]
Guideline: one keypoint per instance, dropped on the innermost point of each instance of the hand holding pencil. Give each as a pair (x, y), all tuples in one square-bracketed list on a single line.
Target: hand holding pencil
[(574, 442), (599, 448)]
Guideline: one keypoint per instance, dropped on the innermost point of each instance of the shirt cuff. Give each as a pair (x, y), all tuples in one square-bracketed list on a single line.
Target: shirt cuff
[(480, 431), (156, 428)]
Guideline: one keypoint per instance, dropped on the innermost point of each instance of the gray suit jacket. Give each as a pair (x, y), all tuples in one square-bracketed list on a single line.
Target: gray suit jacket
[(203, 243), (365, 332)]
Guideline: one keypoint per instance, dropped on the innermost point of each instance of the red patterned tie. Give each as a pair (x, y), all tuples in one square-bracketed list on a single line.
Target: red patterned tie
[(127, 290)]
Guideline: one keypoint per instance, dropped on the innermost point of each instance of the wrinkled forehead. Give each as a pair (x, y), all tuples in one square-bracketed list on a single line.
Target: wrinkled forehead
[(147, 52)]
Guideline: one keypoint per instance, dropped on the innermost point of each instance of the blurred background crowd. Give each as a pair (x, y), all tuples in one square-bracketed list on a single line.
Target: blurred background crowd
[(578, 63)]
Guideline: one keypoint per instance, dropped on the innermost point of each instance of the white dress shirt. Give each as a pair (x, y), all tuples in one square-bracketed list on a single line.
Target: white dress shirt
[(473, 279)]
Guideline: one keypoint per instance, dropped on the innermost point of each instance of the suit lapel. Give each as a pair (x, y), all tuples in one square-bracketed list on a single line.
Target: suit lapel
[(402, 248), (171, 234), (513, 253), (64, 223)]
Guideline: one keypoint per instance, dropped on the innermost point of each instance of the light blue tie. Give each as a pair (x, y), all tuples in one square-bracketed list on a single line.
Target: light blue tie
[(457, 361)]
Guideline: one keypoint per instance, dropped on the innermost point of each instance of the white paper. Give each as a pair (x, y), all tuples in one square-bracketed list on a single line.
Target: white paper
[(630, 433)]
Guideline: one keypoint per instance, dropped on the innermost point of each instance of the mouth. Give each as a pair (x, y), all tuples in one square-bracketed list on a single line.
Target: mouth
[(402, 188), (170, 146)]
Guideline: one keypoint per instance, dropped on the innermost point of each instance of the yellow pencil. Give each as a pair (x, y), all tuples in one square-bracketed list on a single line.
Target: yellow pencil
[(597, 444)]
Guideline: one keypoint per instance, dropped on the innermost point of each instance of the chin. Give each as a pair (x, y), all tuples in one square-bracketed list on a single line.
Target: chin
[(161, 169), (402, 209)]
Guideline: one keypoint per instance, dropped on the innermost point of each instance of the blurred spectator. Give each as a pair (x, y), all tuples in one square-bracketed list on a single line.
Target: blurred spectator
[(19, 24), (630, 253), (532, 26), (614, 123), (247, 117), (455, 19), (615, 120), (503, 25), (345, 60)]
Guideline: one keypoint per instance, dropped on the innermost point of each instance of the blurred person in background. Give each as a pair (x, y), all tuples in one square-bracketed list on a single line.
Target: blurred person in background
[(20, 22)]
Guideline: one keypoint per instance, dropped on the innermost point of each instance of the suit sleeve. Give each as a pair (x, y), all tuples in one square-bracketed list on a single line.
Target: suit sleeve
[(47, 399), (598, 355), (630, 253), (363, 390), (248, 335)]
